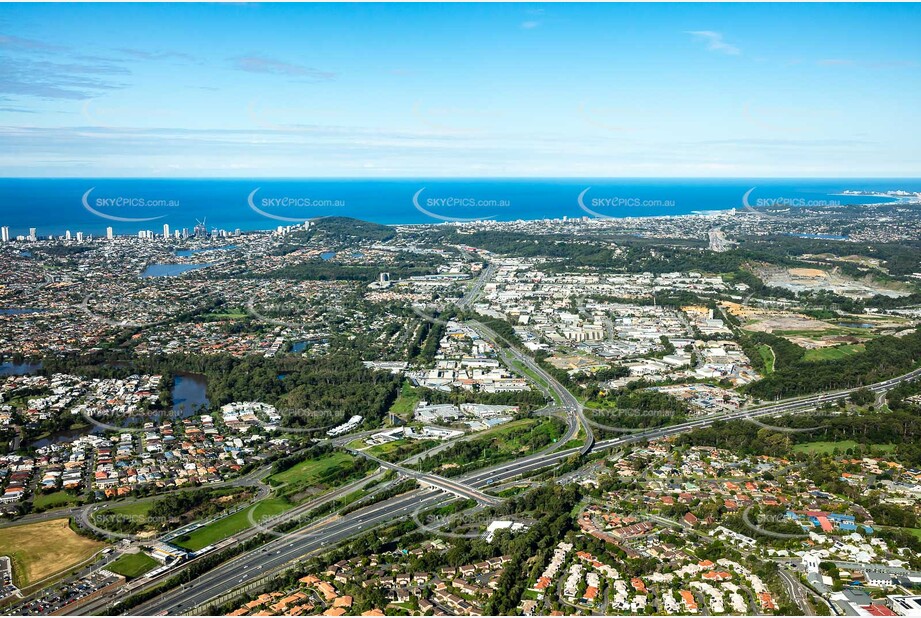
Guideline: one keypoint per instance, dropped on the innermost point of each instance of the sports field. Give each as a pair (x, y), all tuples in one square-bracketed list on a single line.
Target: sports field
[(133, 565), (834, 353), (232, 524)]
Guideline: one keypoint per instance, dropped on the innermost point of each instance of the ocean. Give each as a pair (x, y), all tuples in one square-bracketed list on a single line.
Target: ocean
[(54, 206)]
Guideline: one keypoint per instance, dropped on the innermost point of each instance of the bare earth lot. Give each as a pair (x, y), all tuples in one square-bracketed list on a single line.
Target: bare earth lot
[(42, 549), (814, 279)]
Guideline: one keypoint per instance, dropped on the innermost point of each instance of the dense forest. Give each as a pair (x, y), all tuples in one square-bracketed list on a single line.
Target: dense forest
[(409, 265), (636, 408), (899, 259), (341, 231), (902, 428), (635, 255), (885, 357)]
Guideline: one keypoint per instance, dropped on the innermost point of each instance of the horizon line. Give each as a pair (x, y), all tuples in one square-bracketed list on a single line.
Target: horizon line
[(522, 178)]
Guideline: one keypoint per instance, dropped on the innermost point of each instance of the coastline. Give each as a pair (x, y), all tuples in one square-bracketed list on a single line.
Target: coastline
[(54, 206)]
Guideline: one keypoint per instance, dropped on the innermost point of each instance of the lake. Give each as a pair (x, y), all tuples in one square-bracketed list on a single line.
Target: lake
[(66, 436), (189, 394), (19, 369), (299, 346)]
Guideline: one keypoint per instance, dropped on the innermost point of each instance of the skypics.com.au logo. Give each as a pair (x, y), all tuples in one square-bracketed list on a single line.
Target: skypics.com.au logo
[(107, 207), (437, 207), (292, 208), (614, 202), (784, 204)]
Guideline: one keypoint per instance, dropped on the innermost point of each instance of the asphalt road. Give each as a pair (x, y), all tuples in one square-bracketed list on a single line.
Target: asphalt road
[(277, 553), (795, 590), (567, 399), (298, 544), (458, 489), (477, 286)]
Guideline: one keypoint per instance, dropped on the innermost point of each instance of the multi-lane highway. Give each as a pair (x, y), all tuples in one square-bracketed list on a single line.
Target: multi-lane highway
[(433, 480), (297, 544), (294, 545), (477, 286), (280, 552), (567, 400)]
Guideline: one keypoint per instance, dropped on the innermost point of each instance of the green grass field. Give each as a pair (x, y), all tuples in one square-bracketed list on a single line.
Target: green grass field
[(405, 404), (386, 449), (506, 428), (133, 508), (311, 471), (398, 450), (133, 565), (228, 526), (55, 499), (133, 511), (826, 448), (767, 355), (835, 353), (228, 315), (914, 531), (522, 368), (500, 444)]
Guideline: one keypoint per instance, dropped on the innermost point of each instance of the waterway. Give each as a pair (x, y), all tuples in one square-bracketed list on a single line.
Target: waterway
[(19, 369), (189, 394)]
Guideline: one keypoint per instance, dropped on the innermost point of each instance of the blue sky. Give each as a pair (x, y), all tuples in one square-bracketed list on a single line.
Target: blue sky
[(460, 90)]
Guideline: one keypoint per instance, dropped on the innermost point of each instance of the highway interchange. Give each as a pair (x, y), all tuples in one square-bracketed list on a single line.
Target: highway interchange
[(283, 550)]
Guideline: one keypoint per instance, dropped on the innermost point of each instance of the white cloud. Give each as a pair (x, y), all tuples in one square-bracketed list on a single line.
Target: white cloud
[(259, 64), (715, 42)]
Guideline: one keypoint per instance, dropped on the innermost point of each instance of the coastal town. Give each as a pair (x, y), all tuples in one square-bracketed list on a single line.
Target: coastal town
[(127, 413), (460, 309)]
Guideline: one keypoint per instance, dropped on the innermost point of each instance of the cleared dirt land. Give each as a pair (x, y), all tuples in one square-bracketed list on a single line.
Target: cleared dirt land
[(842, 335), (777, 321), (815, 279), (42, 549)]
